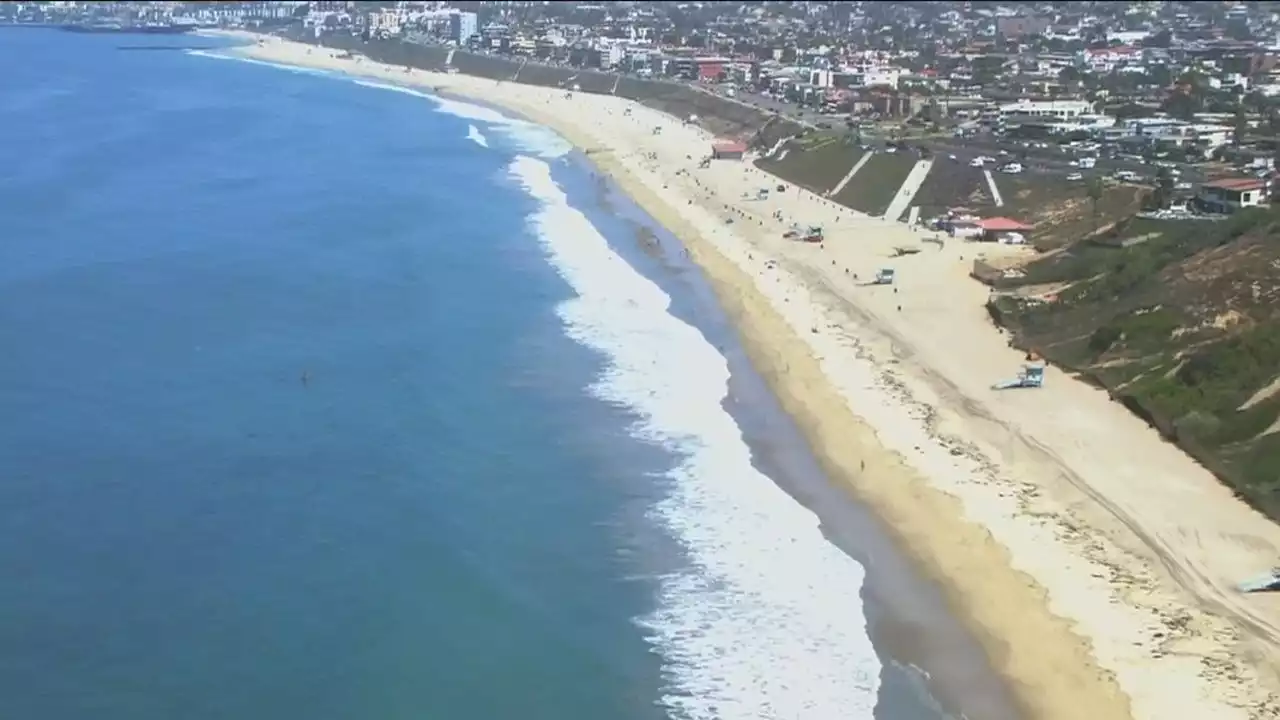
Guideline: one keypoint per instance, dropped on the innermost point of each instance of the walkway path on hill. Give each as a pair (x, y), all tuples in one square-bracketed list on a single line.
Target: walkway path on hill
[(908, 191), (852, 171), (995, 191), (778, 146)]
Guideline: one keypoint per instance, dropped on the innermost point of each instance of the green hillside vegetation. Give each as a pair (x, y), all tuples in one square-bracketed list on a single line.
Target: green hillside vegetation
[(815, 162), (1182, 326), (873, 188), (1062, 210), (952, 184)]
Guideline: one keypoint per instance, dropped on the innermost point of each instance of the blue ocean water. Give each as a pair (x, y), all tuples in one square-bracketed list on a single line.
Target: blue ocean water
[(327, 399)]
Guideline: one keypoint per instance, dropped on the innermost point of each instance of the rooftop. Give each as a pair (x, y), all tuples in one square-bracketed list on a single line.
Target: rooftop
[(1237, 184), (1003, 224)]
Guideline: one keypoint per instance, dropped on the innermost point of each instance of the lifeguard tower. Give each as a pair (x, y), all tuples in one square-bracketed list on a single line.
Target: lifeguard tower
[(1031, 376)]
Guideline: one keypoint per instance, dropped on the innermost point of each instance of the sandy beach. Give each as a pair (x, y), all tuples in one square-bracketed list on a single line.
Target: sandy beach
[(1094, 561)]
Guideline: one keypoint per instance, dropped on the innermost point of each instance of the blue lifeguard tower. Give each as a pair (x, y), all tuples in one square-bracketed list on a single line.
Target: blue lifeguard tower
[(1031, 376)]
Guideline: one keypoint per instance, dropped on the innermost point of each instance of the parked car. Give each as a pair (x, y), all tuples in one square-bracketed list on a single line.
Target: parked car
[(1012, 168), (1076, 176)]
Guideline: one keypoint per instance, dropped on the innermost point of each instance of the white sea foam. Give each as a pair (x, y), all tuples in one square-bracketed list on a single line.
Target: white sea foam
[(521, 135), (265, 63), (766, 622), (477, 137)]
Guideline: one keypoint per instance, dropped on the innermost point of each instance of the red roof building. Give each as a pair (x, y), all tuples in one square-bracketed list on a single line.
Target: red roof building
[(1231, 194), (1003, 224), (1236, 184), (728, 150)]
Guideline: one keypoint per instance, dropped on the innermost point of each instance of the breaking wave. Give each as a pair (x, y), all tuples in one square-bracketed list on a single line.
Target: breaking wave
[(766, 619), (298, 69), (523, 135)]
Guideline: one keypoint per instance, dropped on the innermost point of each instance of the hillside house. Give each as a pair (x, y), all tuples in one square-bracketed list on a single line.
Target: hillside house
[(1232, 194)]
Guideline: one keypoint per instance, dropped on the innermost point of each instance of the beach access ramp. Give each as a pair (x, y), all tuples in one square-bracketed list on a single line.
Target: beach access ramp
[(995, 191), (907, 193), (849, 176)]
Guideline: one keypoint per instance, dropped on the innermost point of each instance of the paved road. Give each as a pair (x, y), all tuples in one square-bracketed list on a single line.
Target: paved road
[(787, 110)]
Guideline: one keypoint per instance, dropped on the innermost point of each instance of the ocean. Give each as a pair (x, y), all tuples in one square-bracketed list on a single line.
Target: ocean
[(329, 399)]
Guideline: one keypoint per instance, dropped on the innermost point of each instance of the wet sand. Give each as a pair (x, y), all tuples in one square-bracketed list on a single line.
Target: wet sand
[(933, 667)]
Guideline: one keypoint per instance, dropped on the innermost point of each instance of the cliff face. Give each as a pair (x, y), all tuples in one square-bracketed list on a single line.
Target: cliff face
[(1182, 325)]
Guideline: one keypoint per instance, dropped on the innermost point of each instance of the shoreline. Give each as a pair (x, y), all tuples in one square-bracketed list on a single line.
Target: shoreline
[(856, 410), (849, 452), (921, 642)]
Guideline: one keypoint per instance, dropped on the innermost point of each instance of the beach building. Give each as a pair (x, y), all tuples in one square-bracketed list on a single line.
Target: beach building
[(728, 150), (1004, 230)]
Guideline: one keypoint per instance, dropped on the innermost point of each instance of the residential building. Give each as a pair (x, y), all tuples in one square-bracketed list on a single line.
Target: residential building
[(871, 77), (1226, 196), (1016, 27), (462, 26), (1105, 60), (1044, 111)]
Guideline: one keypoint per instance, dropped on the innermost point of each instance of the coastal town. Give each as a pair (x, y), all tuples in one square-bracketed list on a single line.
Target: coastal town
[(1020, 106), (1044, 233)]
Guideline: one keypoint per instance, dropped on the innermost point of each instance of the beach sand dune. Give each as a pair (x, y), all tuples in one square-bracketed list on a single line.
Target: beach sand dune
[(1095, 561)]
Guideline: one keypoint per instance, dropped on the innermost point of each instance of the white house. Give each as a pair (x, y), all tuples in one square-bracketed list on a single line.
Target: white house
[(1230, 195), (1045, 111)]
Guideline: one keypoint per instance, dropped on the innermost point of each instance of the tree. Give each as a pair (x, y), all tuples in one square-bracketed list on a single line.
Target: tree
[(1093, 188), (1164, 189), (1069, 77), (1159, 76), (1239, 128), (1195, 82), (1162, 39), (1182, 105)]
